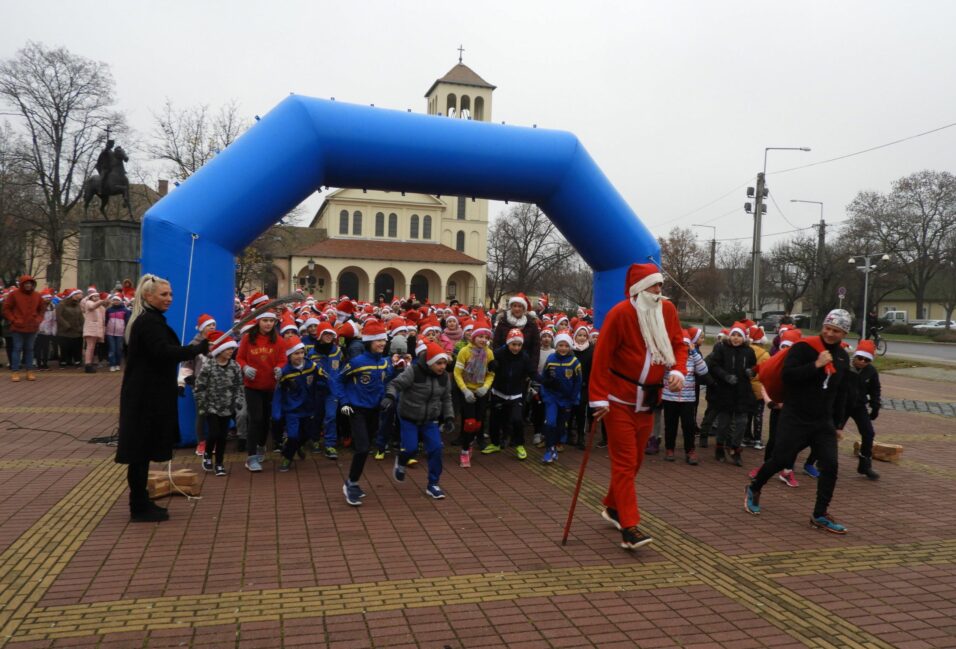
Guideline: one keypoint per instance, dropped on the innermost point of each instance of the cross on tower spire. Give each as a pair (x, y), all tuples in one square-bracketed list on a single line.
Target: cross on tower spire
[(460, 50)]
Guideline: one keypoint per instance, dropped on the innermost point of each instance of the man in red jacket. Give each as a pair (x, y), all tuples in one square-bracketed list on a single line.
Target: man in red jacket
[(23, 308), (641, 347)]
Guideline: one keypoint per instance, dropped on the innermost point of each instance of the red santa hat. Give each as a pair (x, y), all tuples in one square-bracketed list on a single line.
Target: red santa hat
[(790, 336), (349, 329), (434, 353), (114, 297), (482, 327), (580, 326), (756, 334), (226, 343), (204, 321), (694, 334), (430, 324), (345, 308), (866, 349), (91, 289), (563, 338), (324, 328), (641, 277), (70, 292), (548, 331), (288, 324), (247, 327), (515, 335), (258, 299), (396, 326), (47, 294), (267, 314), (739, 327), (293, 345), (373, 330), (519, 297), (310, 321)]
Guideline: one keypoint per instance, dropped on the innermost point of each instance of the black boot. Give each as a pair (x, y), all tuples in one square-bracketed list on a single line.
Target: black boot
[(719, 452), (703, 440), (865, 467), (735, 457), (90, 369)]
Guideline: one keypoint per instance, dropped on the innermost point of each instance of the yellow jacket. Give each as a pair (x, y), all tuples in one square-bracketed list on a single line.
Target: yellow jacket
[(461, 377)]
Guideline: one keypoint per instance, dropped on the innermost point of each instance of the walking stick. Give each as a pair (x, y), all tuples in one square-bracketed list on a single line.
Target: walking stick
[(577, 487)]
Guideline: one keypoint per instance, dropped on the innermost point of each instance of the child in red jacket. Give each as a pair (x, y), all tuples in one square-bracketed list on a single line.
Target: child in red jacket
[(261, 357)]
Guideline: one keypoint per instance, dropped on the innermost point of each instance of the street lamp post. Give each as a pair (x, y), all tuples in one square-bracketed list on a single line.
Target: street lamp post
[(866, 268), (713, 244), (758, 216)]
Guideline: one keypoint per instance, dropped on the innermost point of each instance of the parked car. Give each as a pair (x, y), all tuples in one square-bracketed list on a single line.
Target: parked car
[(934, 325)]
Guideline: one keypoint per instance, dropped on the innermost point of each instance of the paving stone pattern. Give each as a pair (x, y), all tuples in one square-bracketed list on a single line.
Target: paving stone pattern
[(279, 560)]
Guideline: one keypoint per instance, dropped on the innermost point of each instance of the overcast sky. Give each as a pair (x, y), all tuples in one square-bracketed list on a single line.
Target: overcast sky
[(674, 100)]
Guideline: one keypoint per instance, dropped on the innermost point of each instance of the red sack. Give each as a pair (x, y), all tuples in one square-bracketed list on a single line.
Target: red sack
[(771, 370)]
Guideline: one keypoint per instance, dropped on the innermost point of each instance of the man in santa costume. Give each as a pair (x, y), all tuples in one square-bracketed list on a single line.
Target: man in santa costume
[(641, 348)]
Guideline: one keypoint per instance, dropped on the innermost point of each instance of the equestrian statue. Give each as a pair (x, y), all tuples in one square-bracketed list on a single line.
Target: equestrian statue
[(109, 180)]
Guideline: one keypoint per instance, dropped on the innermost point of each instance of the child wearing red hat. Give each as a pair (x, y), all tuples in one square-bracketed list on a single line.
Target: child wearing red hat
[(474, 377), (513, 370), (863, 403), (261, 356), (219, 396), (294, 400), (733, 394)]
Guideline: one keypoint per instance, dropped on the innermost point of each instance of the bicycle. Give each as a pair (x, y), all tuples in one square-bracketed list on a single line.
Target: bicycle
[(878, 340)]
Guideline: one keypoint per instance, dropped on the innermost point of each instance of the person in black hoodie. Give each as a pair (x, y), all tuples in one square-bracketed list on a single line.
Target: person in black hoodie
[(815, 390), (863, 403), (513, 370), (584, 351), (731, 364)]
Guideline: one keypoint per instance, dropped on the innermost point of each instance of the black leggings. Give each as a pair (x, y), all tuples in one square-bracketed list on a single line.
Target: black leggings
[(682, 412), (507, 414), (259, 409), (476, 411), (216, 439), (137, 474), (364, 422)]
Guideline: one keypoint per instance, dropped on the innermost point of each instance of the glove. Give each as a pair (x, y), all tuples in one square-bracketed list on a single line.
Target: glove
[(731, 379), (277, 372), (469, 395), (749, 373), (191, 380), (387, 404), (203, 346), (874, 413), (250, 372), (482, 391), (448, 426), (347, 411)]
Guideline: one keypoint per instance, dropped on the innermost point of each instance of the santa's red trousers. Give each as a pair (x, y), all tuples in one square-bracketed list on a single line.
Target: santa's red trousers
[(627, 434)]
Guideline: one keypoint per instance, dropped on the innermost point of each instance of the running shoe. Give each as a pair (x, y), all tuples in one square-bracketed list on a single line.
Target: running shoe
[(464, 459), (753, 472), (285, 465), (491, 448), (352, 494), (632, 538), (398, 472), (610, 515), (811, 470), (253, 464), (220, 470), (669, 455), (331, 453), (521, 452), (827, 523), (201, 449), (550, 455), (788, 478), (379, 454), (435, 491), (207, 464), (752, 501), (691, 457)]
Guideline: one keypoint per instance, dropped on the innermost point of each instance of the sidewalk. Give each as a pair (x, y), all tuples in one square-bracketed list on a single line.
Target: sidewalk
[(279, 560)]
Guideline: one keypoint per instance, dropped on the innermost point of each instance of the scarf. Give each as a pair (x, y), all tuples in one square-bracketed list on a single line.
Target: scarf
[(477, 366), (650, 317), (519, 323), (582, 346), (455, 335)]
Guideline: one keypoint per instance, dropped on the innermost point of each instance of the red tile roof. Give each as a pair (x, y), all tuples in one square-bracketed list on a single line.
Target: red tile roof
[(386, 251), (462, 75)]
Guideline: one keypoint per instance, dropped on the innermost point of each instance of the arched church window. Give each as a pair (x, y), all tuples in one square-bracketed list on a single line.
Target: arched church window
[(379, 225), (427, 227), (393, 225), (460, 241), (357, 223), (413, 233), (344, 222)]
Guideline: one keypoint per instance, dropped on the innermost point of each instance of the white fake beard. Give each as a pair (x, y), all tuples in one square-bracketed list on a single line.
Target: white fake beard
[(650, 316)]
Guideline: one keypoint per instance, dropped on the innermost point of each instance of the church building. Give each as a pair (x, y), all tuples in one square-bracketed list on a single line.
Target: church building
[(390, 244)]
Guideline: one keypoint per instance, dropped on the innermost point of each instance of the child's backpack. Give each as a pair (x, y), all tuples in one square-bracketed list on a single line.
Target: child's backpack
[(771, 370)]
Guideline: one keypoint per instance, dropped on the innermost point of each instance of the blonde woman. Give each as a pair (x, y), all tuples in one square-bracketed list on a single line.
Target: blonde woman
[(149, 411)]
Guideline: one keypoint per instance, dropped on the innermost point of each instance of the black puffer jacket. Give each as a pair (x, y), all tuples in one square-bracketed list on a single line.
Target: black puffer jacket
[(422, 395), (512, 371), (728, 361)]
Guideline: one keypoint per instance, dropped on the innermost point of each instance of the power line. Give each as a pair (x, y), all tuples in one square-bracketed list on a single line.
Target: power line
[(773, 234), (705, 205), (779, 209), (873, 148)]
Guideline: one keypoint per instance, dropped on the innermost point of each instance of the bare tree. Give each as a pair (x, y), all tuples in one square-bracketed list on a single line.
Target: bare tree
[(16, 199), (575, 283), (911, 223), (525, 250), (792, 269), (948, 277), (734, 263), (62, 105), (683, 259), (190, 137)]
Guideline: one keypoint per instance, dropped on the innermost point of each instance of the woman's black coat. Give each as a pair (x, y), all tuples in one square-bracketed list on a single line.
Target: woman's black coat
[(725, 361), (149, 410)]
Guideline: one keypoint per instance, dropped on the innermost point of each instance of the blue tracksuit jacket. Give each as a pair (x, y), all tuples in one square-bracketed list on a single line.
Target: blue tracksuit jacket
[(331, 366), (561, 380), (295, 391), (364, 378)]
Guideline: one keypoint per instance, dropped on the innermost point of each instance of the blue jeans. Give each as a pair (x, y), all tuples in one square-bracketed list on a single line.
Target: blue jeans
[(22, 345), (115, 346), (433, 445), (328, 407)]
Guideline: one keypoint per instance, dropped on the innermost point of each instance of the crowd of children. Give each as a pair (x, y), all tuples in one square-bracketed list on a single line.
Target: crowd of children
[(405, 378)]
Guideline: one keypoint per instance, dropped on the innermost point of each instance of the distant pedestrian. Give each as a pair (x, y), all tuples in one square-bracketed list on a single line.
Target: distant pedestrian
[(23, 309)]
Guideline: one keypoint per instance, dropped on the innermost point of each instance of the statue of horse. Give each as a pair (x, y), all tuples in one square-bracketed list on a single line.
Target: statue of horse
[(115, 184)]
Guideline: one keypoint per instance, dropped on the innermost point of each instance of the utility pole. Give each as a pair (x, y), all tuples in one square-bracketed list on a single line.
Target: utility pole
[(713, 244), (818, 298)]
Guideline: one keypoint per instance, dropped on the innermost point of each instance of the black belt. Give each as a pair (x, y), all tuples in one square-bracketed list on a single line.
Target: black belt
[(635, 381)]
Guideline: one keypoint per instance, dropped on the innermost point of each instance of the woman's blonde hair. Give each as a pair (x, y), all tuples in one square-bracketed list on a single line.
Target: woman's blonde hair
[(147, 284)]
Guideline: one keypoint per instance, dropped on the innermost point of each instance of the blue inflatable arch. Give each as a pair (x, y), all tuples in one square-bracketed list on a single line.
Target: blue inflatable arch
[(193, 235)]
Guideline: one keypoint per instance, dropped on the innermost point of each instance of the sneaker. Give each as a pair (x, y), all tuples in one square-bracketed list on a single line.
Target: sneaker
[(261, 454), (361, 492), (632, 538), (316, 447), (753, 472), (491, 448), (352, 496), (669, 455), (536, 439), (559, 447), (521, 452), (539, 444), (719, 454), (610, 515), (31, 376), (411, 462), (220, 470), (602, 443), (735, 458), (464, 459), (787, 478), (758, 445), (285, 465), (752, 501), (331, 453), (653, 446), (747, 443), (691, 457), (379, 454), (550, 455), (15, 377), (827, 523), (811, 470), (253, 464), (207, 464), (435, 491), (398, 472), (201, 449)]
